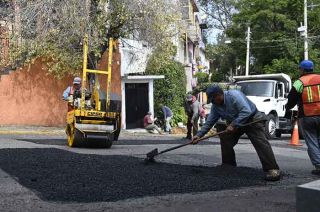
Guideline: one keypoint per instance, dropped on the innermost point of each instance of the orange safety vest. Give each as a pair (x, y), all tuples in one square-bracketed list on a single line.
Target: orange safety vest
[(70, 107), (311, 94)]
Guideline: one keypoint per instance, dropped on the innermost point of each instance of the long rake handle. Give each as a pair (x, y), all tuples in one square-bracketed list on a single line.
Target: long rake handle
[(200, 139), (203, 138)]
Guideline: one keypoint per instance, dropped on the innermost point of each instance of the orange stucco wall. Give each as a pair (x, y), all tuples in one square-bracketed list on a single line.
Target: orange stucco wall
[(31, 96)]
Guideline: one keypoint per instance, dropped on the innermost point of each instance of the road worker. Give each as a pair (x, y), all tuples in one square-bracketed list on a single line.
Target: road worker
[(192, 107), (238, 110), (68, 94), (305, 93)]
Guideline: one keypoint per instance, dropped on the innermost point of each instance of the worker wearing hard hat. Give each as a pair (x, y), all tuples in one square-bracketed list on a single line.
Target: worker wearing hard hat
[(239, 111), (70, 91), (305, 93)]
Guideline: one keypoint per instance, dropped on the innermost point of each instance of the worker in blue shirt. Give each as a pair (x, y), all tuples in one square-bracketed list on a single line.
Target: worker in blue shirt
[(167, 113), (238, 110)]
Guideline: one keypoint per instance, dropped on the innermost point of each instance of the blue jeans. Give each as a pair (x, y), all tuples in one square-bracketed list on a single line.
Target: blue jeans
[(168, 126), (311, 133)]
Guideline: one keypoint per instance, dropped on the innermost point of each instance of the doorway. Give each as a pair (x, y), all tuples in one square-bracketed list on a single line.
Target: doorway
[(137, 104)]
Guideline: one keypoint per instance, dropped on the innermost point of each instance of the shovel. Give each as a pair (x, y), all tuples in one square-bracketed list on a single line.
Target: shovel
[(155, 152)]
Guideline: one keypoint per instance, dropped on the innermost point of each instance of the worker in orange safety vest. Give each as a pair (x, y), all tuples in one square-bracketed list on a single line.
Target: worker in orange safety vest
[(306, 94)]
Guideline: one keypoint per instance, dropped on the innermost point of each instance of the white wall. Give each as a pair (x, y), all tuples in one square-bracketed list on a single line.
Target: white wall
[(134, 56), (123, 90)]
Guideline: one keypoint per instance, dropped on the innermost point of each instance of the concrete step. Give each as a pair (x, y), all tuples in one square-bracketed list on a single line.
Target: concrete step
[(308, 197)]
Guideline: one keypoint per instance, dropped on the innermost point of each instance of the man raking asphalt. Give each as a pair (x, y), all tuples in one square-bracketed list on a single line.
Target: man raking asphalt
[(237, 110), (155, 152)]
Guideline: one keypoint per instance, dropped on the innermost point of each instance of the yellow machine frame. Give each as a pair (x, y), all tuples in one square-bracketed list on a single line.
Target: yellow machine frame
[(93, 117)]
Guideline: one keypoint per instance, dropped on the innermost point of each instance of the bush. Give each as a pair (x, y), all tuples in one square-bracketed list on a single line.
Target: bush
[(202, 77), (171, 90), (217, 77), (179, 116)]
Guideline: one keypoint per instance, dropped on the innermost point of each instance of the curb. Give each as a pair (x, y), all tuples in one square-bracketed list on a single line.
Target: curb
[(32, 132)]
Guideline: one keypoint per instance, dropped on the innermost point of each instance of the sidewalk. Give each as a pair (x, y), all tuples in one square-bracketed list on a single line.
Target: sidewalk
[(34, 130)]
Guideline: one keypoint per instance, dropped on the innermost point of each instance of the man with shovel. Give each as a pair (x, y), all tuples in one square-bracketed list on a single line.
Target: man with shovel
[(238, 110)]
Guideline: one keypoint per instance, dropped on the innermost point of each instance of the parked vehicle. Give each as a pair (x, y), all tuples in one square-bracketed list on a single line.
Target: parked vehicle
[(269, 93)]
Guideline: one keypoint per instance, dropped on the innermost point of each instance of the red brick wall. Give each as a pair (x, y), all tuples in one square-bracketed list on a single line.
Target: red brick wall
[(31, 96)]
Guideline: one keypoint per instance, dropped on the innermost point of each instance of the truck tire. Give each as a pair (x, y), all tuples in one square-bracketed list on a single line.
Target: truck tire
[(270, 128), (278, 134)]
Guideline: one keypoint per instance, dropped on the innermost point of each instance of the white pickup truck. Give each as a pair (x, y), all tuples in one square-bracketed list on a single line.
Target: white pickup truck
[(269, 93)]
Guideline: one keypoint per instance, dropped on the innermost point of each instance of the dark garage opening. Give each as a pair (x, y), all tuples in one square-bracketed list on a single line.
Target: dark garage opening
[(137, 104)]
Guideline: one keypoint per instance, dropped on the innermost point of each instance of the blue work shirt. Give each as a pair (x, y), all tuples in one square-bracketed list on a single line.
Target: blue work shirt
[(236, 109), (66, 93), (166, 112)]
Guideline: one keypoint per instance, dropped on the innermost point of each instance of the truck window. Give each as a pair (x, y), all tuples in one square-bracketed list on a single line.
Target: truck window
[(264, 89), (280, 93)]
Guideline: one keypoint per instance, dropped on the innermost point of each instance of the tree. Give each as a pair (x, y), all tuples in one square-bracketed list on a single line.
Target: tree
[(219, 12), (54, 29), (171, 90), (224, 60), (276, 46)]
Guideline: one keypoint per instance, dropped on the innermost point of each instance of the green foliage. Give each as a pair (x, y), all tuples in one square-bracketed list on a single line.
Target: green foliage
[(283, 66), (161, 57), (276, 46), (53, 30), (171, 90), (202, 77), (217, 77), (179, 116), (223, 59), (224, 85)]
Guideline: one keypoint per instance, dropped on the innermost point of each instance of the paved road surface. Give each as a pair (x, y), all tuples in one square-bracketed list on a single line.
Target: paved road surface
[(40, 173)]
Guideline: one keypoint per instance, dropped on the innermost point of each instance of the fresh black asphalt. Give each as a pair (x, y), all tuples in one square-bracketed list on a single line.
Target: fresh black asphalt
[(144, 141), (58, 175)]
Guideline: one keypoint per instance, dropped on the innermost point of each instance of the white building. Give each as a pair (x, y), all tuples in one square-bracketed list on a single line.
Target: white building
[(137, 88), (190, 47)]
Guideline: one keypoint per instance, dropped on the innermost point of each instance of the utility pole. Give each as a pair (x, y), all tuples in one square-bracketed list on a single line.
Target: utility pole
[(248, 51), (306, 55)]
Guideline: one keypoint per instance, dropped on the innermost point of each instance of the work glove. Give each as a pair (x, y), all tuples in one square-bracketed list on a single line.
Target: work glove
[(70, 99), (195, 140)]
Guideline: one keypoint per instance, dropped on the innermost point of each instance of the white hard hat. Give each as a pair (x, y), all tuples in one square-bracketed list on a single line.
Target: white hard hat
[(77, 80)]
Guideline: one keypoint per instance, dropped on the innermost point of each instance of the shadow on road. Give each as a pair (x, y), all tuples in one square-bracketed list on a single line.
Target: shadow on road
[(158, 140), (58, 175), (53, 141)]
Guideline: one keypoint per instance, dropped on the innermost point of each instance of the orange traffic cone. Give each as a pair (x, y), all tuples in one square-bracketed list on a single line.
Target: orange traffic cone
[(295, 135)]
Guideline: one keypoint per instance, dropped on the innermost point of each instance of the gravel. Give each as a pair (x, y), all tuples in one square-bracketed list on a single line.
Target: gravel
[(58, 175)]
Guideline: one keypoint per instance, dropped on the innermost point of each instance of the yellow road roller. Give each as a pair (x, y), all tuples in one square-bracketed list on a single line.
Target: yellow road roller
[(95, 118)]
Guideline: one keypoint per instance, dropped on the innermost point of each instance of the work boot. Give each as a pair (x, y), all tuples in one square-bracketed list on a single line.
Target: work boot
[(273, 175), (226, 165), (188, 137), (316, 171)]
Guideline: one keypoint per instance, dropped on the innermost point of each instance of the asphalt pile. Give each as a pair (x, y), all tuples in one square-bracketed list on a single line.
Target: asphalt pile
[(63, 141), (58, 175)]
